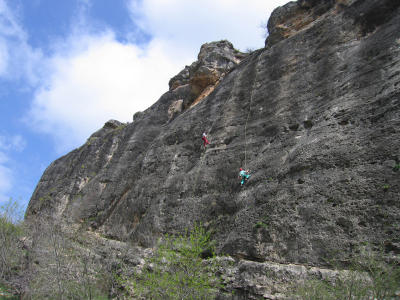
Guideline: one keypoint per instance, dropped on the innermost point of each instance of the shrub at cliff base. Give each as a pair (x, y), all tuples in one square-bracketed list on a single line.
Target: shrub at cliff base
[(177, 270), (370, 277), (61, 268), (5, 293), (11, 253)]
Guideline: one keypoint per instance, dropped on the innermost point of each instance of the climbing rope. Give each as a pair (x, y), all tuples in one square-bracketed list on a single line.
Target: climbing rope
[(247, 120), (211, 127), (248, 114), (230, 96), (245, 137), (222, 106)]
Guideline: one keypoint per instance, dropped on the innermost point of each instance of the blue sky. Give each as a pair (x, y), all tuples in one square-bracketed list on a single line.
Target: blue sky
[(66, 67)]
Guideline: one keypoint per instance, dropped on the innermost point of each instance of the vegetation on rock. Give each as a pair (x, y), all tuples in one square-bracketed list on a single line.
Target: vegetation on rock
[(11, 254), (177, 269), (370, 276)]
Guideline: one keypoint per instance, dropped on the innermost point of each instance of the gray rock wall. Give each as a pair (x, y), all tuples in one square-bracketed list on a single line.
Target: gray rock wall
[(315, 116)]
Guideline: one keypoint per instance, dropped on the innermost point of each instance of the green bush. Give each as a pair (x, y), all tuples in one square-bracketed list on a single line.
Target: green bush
[(369, 277), (62, 269), (11, 230), (177, 270), (5, 294), (261, 224)]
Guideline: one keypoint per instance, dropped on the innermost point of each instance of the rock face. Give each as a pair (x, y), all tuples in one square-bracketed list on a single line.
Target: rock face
[(315, 116), (294, 16), (201, 77)]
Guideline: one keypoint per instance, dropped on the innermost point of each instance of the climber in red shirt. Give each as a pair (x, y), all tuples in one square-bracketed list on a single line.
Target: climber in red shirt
[(204, 138)]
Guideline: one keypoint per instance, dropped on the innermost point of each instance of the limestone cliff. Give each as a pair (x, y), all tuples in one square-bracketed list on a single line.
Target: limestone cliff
[(315, 116)]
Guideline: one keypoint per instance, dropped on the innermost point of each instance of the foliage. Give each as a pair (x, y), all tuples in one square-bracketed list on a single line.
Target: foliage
[(177, 270), (249, 50), (91, 140), (120, 127), (260, 224), (47, 262), (5, 294), (11, 231), (62, 269), (369, 277)]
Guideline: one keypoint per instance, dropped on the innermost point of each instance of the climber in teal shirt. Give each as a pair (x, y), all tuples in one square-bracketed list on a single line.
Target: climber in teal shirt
[(244, 175)]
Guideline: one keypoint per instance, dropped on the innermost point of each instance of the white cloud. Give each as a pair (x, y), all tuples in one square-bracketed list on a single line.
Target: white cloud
[(13, 143), (12, 182), (99, 79), (6, 179), (18, 143), (3, 57), (3, 158), (190, 23), (8, 145), (17, 58)]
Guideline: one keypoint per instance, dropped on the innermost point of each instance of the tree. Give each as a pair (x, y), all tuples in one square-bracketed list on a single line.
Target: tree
[(370, 276), (11, 252), (177, 269), (63, 268)]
